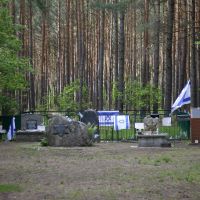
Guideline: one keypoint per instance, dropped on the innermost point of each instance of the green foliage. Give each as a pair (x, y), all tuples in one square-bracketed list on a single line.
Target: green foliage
[(91, 130), (197, 42), (9, 104), (138, 96), (44, 142), (12, 68), (3, 137), (41, 5), (48, 103), (67, 99)]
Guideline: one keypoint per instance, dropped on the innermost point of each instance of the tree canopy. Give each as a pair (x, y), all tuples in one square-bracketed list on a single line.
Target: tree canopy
[(12, 68), (123, 54)]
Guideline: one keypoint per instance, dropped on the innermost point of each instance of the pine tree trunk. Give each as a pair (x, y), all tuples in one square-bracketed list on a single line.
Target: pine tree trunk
[(145, 73), (168, 80), (116, 53), (101, 61), (121, 61), (156, 51), (183, 50), (193, 68), (32, 85)]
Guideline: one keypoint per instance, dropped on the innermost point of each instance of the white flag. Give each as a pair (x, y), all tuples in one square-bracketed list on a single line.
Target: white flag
[(183, 98), (121, 122), (11, 131)]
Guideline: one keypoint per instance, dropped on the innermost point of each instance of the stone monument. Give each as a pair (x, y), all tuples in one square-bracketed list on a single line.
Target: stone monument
[(31, 121), (150, 136), (150, 125), (68, 133), (32, 128)]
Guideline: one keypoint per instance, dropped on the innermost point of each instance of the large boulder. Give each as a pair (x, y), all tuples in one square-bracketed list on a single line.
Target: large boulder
[(68, 133)]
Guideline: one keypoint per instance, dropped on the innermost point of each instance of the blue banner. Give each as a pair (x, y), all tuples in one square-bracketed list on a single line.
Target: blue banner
[(107, 118)]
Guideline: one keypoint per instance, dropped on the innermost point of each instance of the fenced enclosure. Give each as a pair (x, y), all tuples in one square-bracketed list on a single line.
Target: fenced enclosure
[(179, 128)]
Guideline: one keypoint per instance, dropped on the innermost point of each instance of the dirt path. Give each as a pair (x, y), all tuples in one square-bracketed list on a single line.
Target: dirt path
[(104, 171)]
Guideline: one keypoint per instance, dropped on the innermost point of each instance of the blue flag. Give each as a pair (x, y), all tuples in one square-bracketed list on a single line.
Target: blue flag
[(183, 98), (11, 131), (107, 118)]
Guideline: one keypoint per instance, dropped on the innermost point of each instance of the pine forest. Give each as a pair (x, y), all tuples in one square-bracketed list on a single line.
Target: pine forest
[(101, 54)]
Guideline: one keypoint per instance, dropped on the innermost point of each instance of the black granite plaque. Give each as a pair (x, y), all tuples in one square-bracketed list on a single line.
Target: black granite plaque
[(31, 124), (59, 129)]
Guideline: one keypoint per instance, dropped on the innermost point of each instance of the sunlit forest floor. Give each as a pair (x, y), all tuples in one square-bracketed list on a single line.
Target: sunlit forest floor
[(105, 171)]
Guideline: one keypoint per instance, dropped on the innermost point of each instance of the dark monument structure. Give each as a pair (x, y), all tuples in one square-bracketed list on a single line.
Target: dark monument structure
[(90, 117)]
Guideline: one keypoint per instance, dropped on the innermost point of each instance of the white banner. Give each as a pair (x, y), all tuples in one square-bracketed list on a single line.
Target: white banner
[(167, 121), (121, 122)]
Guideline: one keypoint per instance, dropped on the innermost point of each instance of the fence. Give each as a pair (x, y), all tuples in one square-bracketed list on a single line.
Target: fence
[(179, 129)]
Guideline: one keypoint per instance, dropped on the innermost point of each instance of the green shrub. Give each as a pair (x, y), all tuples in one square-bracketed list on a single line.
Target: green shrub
[(91, 130), (44, 142)]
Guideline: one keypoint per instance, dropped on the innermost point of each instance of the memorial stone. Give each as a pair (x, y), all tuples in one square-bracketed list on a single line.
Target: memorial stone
[(30, 121), (68, 133)]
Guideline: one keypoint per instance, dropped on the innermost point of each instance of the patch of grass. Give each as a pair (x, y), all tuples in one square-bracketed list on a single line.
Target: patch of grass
[(75, 194), (145, 160), (107, 133), (162, 159), (155, 161), (10, 188), (190, 175)]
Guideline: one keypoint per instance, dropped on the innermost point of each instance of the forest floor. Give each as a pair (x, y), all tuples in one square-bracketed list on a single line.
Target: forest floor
[(105, 171)]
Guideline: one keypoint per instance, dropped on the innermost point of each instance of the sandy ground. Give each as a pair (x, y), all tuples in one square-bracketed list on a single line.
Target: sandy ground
[(105, 171)]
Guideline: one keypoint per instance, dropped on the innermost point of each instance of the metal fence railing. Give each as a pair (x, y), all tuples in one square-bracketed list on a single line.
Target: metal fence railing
[(179, 129)]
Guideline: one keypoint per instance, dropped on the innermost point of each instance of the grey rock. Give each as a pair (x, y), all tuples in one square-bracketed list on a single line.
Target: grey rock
[(68, 133)]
